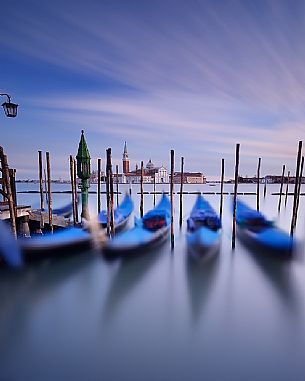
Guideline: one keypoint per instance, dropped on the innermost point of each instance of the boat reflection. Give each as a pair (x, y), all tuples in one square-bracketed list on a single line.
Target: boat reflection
[(22, 291), (129, 275), (279, 273), (201, 277)]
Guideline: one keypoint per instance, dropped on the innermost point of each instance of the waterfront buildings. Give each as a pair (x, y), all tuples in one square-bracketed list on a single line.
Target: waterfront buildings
[(190, 178), (151, 173)]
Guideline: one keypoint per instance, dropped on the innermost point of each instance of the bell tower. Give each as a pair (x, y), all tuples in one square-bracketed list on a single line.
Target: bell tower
[(125, 160)]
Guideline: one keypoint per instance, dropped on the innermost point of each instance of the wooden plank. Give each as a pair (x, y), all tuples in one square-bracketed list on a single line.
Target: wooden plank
[(22, 211), (59, 221)]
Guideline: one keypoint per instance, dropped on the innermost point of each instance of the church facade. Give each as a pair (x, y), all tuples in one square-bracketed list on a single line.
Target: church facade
[(153, 174)]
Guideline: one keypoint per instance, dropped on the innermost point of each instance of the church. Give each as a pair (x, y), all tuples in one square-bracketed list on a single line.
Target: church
[(154, 174), (151, 173)]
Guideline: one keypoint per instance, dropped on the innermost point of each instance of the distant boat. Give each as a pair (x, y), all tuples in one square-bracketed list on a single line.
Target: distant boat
[(121, 214), (149, 231), (203, 230), (212, 185), (260, 234)]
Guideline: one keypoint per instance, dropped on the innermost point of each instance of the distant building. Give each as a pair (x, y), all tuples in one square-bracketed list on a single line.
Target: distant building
[(121, 178), (150, 172), (275, 179), (135, 177), (150, 166), (190, 178), (125, 160), (269, 179), (159, 173)]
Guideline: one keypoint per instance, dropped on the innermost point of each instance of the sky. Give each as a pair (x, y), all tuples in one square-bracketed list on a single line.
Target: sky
[(193, 76)]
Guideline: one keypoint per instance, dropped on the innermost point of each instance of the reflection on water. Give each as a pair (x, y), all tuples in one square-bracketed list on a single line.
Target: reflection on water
[(200, 280), (161, 315), (20, 291), (278, 271), (129, 274)]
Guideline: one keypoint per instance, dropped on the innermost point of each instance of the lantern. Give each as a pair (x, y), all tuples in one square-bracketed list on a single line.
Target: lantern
[(10, 108)]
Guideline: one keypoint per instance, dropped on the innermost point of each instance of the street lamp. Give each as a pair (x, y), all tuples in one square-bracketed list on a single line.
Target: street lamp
[(83, 172), (10, 108)]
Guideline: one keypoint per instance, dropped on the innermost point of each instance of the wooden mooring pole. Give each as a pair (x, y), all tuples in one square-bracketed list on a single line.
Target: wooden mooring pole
[(108, 193), (299, 190), (287, 188), (172, 198), (295, 194), (111, 196), (45, 185), (8, 191), (110, 209), (49, 191), (265, 187), (40, 180), (71, 161), (181, 194), (12, 173), (41, 189), (117, 185), (141, 190), (235, 195), (221, 187), (75, 189), (281, 189), (258, 182), (154, 189), (99, 165)]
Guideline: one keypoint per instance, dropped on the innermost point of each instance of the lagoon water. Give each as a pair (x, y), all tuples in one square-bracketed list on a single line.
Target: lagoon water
[(159, 316)]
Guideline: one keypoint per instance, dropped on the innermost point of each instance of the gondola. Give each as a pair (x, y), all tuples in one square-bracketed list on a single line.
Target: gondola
[(149, 232), (260, 234), (65, 211), (121, 214), (10, 252), (62, 242), (203, 230)]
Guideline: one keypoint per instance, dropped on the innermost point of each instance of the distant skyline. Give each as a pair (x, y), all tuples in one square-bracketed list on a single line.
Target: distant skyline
[(194, 76)]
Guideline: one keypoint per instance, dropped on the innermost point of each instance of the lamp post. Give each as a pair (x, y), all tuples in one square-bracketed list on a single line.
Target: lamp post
[(83, 173), (10, 108)]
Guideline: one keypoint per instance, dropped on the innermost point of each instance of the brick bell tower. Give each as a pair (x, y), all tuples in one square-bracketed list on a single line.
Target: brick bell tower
[(125, 160)]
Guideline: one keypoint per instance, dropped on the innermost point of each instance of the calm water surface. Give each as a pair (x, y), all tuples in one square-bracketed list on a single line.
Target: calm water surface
[(159, 316)]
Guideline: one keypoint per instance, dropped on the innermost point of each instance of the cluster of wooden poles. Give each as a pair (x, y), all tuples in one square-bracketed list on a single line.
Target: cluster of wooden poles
[(110, 189), (296, 194), (8, 189), (47, 182)]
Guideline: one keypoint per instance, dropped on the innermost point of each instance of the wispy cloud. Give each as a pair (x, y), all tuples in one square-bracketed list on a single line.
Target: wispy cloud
[(201, 76)]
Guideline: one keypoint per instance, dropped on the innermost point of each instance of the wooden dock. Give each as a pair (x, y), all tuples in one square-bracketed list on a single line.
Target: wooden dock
[(22, 211), (57, 221)]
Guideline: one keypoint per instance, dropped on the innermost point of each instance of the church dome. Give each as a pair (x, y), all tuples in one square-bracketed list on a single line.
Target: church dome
[(150, 165)]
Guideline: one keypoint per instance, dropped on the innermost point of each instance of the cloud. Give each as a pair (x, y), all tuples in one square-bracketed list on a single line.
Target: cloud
[(224, 51), (200, 76), (171, 120)]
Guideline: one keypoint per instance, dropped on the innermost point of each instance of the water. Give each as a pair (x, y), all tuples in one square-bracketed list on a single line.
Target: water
[(158, 317)]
